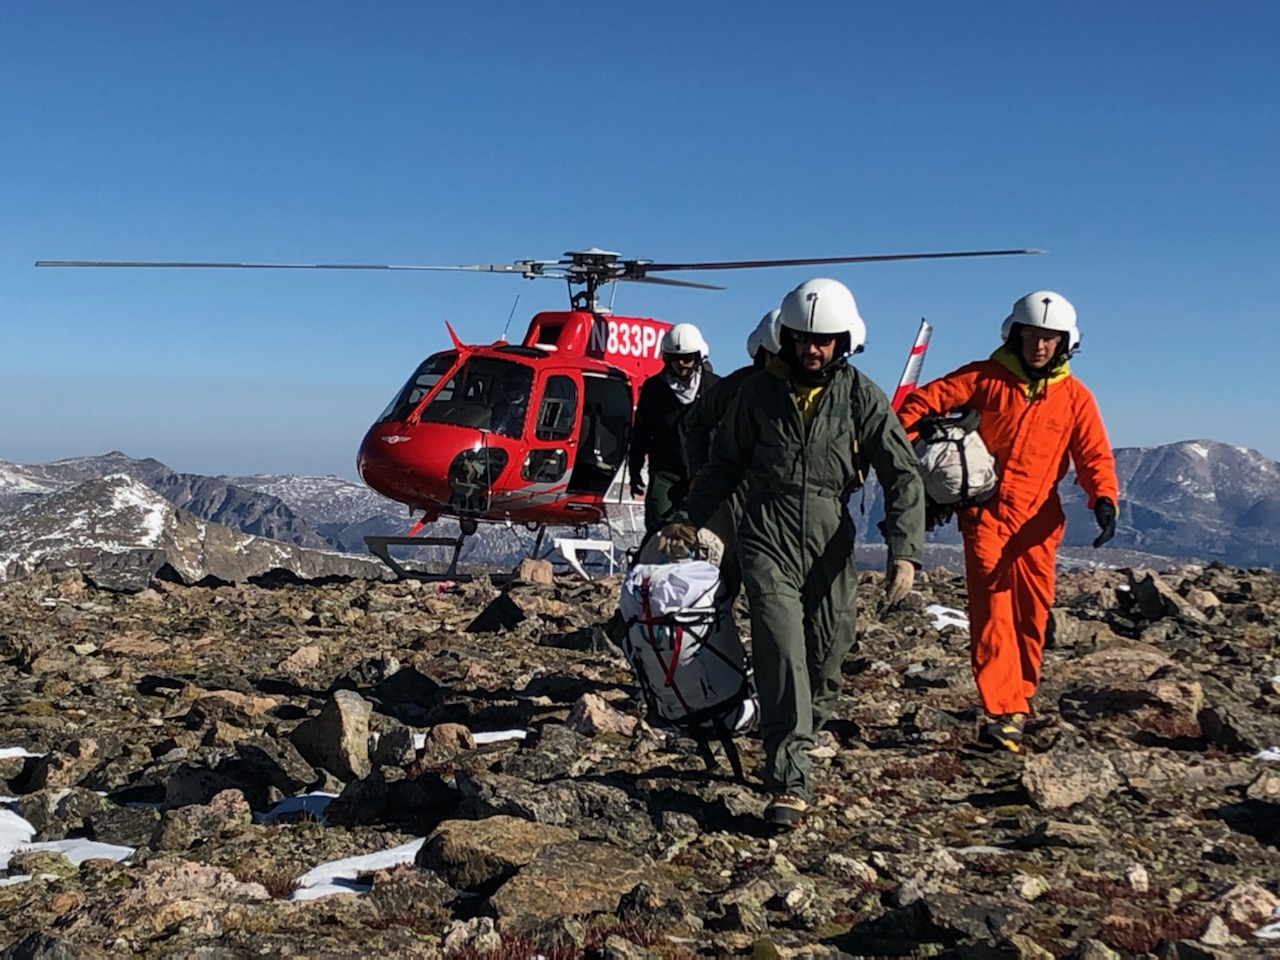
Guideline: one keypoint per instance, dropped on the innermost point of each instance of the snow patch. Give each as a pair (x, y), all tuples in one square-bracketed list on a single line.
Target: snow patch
[(1199, 449), (339, 876), (16, 834), (307, 804), (9, 752), (1271, 931), (1271, 753), (135, 496), (946, 616), (14, 481)]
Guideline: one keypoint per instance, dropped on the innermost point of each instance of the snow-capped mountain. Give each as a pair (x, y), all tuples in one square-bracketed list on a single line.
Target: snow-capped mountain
[(323, 500), (1199, 498), (1193, 500), (113, 514), (314, 512), (341, 511), (118, 523), (210, 498)]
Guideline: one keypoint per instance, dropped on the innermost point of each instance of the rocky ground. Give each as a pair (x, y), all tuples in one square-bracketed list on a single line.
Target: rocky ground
[(167, 725)]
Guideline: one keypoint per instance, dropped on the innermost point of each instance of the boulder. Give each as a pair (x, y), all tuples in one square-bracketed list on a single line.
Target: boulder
[(572, 879), (338, 739), (471, 853), (1068, 774)]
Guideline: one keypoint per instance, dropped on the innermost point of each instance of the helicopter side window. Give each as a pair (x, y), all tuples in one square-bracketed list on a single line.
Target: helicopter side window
[(424, 378), (557, 415)]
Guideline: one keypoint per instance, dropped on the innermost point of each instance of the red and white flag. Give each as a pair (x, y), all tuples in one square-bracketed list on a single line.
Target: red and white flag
[(915, 361)]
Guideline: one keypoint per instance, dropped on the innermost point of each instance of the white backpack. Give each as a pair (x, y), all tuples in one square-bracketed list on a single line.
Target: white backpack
[(684, 649), (957, 468)]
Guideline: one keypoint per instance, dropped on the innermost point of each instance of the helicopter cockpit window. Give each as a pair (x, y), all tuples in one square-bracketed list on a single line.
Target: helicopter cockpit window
[(558, 413), (487, 394), (419, 385)]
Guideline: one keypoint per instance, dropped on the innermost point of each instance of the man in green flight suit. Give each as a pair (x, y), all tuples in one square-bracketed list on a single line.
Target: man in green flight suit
[(801, 436)]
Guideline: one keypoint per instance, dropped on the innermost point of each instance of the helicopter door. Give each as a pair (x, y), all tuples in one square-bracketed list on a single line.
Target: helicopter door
[(603, 435), (553, 441)]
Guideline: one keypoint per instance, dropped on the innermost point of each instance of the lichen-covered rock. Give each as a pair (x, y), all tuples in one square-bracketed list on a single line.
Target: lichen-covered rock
[(470, 853), (594, 810), (55, 812), (226, 814), (41, 863), (1071, 773), (592, 715), (338, 739), (576, 878)]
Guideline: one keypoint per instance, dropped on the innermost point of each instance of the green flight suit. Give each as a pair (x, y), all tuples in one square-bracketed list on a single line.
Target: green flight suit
[(796, 540)]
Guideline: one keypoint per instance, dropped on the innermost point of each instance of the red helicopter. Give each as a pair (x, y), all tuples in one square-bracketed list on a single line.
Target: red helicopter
[(534, 433)]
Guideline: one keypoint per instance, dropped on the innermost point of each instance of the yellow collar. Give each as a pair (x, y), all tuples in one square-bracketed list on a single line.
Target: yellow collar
[(1013, 363)]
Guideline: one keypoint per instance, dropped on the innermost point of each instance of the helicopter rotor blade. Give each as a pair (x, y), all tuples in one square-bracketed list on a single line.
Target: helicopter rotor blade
[(666, 282), (642, 268), (526, 268)]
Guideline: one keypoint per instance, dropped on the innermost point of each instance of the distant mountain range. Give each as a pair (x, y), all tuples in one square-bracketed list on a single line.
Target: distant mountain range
[(218, 499), (1195, 500), (122, 532), (316, 514), (1199, 498)]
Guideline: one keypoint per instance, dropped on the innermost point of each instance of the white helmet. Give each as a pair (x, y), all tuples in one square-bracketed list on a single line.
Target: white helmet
[(765, 335), (1048, 311), (825, 307), (684, 338)]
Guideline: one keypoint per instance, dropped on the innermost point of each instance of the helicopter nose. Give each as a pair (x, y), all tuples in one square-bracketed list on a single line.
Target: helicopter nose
[(430, 465), (399, 462)]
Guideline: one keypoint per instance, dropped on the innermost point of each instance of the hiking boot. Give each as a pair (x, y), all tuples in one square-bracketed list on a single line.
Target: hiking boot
[(1005, 731), (785, 810)]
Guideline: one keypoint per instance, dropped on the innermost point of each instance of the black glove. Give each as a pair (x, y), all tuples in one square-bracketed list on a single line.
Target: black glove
[(1104, 511)]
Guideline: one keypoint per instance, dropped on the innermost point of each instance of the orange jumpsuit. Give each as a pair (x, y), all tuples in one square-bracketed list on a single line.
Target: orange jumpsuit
[(1011, 541)]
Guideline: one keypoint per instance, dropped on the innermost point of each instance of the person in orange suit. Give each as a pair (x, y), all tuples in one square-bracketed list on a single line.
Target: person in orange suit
[(1034, 417)]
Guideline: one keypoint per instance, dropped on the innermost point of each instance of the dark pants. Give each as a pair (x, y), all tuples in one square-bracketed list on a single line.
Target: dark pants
[(663, 498)]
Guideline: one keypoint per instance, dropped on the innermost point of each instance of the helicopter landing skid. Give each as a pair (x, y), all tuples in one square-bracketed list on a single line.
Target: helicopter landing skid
[(572, 548), (379, 547)]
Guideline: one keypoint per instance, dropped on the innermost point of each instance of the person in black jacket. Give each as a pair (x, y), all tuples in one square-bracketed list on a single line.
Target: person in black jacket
[(700, 427), (657, 434)]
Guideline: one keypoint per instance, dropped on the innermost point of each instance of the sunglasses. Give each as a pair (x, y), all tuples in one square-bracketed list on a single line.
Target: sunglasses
[(817, 339)]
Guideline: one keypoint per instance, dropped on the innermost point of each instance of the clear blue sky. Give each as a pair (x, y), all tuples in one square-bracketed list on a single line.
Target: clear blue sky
[(1136, 142)]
